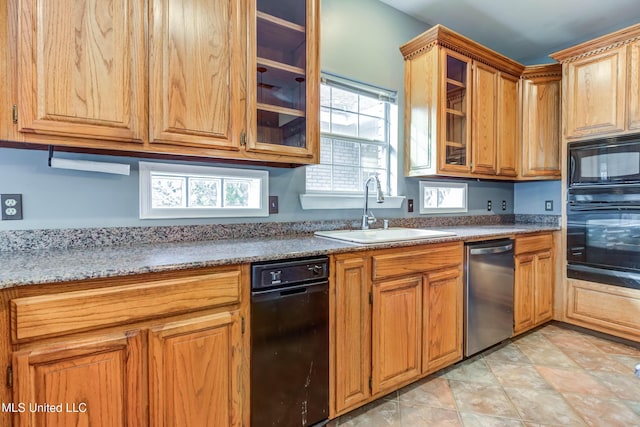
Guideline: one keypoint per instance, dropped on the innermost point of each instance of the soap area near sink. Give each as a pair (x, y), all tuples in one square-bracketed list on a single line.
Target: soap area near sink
[(383, 235)]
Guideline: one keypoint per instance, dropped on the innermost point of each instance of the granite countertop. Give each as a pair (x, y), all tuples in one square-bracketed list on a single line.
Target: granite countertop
[(60, 265)]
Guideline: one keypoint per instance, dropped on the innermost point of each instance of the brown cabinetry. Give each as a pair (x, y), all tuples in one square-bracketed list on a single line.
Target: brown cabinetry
[(599, 83), (397, 317), (166, 77), (541, 101), (172, 344), (463, 109), (534, 278)]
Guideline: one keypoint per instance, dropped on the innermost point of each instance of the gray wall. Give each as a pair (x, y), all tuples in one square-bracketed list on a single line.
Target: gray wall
[(360, 40), (530, 197)]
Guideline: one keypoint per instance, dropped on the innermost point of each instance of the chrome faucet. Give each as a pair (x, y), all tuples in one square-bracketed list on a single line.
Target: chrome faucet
[(367, 217)]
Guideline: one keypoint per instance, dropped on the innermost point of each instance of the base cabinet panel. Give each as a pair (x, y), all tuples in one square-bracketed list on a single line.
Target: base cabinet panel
[(396, 337), (194, 371), (442, 319), (352, 332), (96, 382)]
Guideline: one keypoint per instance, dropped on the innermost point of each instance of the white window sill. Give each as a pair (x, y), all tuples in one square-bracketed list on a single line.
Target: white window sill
[(340, 201)]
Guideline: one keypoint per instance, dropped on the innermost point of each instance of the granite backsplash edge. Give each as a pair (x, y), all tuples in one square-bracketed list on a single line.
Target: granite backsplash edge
[(78, 238)]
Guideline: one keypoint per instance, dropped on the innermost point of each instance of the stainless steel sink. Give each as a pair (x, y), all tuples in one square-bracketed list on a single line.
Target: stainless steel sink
[(380, 235)]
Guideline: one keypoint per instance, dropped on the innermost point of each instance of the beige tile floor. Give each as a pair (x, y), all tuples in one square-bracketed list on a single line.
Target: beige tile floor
[(553, 376)]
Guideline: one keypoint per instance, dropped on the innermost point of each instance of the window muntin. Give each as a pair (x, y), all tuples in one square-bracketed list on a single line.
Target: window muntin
[(187, 191), (355, 122)]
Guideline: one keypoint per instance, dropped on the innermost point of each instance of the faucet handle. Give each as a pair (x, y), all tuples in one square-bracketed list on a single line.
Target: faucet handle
[(371, 218)]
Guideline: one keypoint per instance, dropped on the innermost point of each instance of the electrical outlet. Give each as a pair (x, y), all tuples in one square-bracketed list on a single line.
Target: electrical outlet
[(489, 205), (548, 205), (504, 205), (409, 205), (11, 206), (273, 204)]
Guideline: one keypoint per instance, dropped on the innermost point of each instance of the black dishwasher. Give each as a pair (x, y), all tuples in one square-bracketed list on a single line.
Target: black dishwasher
[(290, 342)]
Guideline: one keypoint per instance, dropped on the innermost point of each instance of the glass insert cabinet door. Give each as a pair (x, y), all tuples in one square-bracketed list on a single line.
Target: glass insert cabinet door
[(285, 78), (457, 109)]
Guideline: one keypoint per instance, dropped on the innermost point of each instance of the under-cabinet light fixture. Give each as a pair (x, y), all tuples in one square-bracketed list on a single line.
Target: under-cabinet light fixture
[(87, 165)]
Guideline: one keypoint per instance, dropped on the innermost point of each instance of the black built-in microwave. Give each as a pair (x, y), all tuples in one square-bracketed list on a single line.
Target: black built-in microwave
[(609, 161)]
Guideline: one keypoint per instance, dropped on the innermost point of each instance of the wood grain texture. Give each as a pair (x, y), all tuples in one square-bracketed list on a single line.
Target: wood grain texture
[(442, 319), (484, 123), (541, 134), (396, 333), (65, 312), (508, 125), (596, 94), (81, 68), (543, 303), (104, 373), (523, 293), (390, 263), (609, 309), (195, 372), (597, 45), (633, 110), (534, 243), (197, 73), (352, 332)]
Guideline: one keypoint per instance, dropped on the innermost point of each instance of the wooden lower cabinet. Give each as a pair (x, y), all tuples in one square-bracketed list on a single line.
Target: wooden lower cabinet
[(605, 308), (396, 332), (534, 278), (396, 317), (195, 370), (352, 338), (95, 382), (172, 352), (442, 297)]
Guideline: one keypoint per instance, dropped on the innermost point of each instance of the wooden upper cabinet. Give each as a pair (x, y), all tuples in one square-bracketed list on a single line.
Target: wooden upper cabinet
[(601, 85), (484, 127), (634, 86), (462, 107), (596, 91), (541, 104), (197, 73), (81, 68), (508, 125), (284, 76)]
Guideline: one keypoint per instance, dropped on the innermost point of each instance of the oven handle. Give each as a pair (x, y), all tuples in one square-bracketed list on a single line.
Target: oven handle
[(586, 207), (491, 250), (271, 294)]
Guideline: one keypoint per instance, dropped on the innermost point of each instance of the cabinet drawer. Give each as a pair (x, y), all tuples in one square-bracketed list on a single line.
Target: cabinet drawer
[(535, 243), (406, 261), (66, 312)]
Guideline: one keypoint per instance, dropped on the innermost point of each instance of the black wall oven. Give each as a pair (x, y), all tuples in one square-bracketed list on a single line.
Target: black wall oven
[(603, 211)]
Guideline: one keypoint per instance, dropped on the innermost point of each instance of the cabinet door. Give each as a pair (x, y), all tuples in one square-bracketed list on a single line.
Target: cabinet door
[(523, 292), (543, 303), (396, 332), (484, 130), (541, 127), (508, 129), (95, 382), (352, 332), (197, 72), (634, 86), (81, 68), (596, 94), (284, 91), (195, 372), (442, 319), (455, 135)]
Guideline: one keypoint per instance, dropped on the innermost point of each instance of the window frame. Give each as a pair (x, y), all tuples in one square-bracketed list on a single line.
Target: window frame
[(147, 211), (436, 184)]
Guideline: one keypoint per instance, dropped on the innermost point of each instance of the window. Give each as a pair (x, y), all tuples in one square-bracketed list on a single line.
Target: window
[(439, 197), (355, 125), (187, 191)]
